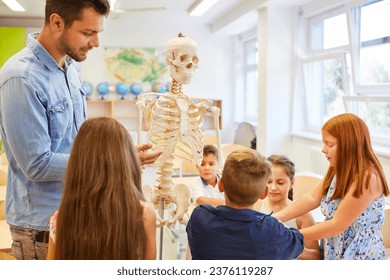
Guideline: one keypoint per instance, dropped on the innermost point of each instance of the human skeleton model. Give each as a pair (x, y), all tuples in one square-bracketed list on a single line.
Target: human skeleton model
[(173, 118)]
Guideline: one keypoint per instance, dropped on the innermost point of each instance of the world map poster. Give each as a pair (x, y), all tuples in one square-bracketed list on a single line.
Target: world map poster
[(131, 65)]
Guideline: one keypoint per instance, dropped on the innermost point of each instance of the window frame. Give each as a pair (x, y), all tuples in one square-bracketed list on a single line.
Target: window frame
[(242, 69), (353, 89)]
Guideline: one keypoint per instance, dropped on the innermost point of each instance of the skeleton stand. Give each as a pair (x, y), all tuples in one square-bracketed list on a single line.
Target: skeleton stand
[(161, 213)]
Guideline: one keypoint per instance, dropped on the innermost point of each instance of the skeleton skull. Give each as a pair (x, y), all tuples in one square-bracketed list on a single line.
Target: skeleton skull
[(182, 58)]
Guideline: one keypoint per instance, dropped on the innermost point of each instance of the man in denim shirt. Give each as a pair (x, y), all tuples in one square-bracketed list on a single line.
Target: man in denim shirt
[(42, 106)]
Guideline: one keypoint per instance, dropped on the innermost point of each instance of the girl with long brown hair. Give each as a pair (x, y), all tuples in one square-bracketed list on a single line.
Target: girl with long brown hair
[(102, 214), (351, 195)]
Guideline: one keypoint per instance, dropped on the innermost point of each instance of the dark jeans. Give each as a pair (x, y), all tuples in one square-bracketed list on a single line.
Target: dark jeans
[(28, 244)]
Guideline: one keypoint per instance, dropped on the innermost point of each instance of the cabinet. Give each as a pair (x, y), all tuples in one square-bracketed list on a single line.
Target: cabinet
[(126, 113)]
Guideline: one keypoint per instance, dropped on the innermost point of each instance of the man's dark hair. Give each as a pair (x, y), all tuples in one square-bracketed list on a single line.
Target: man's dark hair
[(71, 10)]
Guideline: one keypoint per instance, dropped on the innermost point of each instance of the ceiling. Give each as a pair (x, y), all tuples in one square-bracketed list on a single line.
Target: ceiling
[(174, 8), (175, 11)]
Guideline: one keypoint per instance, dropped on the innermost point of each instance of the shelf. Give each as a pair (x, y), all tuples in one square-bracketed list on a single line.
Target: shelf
[(125, 112)]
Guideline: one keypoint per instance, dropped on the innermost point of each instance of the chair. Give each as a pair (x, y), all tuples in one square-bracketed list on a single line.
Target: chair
[(6, 256), (210, 140), (245, 133), (304, 182), (226, 149)]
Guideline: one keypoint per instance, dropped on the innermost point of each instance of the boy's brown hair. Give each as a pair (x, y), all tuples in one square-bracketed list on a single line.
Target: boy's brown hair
[(210, 149), (245, 176)]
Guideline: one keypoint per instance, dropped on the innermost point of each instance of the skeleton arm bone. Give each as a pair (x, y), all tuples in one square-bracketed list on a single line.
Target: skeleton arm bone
[(140, 105), (215, 112)]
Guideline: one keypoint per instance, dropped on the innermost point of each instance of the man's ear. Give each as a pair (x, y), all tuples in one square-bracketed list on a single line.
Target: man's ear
[(265, 193), (56, 23), (221, 187)]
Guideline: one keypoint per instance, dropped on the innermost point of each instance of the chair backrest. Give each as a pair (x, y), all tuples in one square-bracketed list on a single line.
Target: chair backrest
[(244, 134), (210, 140), (226, 149), (386, 229), (304, 183)]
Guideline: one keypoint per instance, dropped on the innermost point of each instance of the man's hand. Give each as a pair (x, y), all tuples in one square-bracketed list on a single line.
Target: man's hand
[(145, 156)]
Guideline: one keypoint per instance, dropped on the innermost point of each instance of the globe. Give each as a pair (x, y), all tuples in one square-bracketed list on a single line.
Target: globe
[(136, 88), (88, 88), (168, 86), (158, 87), (122, 89), (103, 89)]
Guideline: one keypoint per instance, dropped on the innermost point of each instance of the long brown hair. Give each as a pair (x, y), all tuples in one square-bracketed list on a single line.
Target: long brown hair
[(355, 156), (100, 215)]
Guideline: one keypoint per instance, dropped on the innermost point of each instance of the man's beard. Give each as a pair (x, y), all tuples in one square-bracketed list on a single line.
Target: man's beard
[(65, 46)]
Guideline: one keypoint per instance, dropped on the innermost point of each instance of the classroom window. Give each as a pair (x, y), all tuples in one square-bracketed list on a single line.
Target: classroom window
[(246, 81), (374, 42), (324, 82), (346, 67), (251, 78)]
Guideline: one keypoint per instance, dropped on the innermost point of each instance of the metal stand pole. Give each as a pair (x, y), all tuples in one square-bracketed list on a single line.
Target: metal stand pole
[(161, 213)]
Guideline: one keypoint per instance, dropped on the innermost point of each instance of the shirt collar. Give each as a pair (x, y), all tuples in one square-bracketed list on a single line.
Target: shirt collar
[(205, 182), (43, 55), (234, 214)]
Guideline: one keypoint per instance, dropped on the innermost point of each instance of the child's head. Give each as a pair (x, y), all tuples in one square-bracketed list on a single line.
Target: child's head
[(102, 194), (245, 176), (281, 182), (347, 146), (209, 166), (348, 138), (103, 158)]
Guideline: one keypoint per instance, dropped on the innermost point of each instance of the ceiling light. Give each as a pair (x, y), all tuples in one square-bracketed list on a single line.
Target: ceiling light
[(14, 5), (200, 7)]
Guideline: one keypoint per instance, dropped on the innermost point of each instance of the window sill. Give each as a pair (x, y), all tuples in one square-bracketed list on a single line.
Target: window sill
[(307, 135)]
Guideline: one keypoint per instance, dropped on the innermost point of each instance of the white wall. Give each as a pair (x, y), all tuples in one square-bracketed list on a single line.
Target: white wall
[(275, 79), (212, 80)]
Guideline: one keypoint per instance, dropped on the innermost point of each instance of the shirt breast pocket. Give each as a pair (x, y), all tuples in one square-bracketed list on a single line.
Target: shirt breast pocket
[(59, 119)]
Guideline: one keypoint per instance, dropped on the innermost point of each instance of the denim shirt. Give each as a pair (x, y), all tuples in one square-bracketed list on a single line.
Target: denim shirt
[(42, 107)]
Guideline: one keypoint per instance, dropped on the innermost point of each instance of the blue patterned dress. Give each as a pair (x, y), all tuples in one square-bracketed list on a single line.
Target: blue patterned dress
[(362, 240)]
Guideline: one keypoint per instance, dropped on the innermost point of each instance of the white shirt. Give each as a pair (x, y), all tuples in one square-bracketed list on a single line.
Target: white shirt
[(200, 187)]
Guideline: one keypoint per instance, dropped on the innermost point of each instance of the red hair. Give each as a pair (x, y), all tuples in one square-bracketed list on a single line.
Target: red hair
[(356, 158)]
